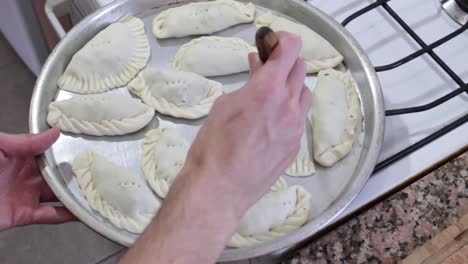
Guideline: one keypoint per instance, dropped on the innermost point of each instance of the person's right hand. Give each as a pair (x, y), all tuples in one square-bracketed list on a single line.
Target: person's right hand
[(253, 134), (246, 142)]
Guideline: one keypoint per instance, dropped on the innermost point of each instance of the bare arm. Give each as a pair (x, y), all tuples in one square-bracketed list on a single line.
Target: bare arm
[(245, 144), (193, 226)]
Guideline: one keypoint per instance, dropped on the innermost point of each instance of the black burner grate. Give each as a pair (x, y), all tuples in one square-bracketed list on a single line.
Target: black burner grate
[(429, 49)]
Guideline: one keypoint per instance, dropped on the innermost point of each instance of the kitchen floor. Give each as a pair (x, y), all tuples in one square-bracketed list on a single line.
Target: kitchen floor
[(387, 232)]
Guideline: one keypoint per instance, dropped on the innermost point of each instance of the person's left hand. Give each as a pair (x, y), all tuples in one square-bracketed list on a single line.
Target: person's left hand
[(22, 188)]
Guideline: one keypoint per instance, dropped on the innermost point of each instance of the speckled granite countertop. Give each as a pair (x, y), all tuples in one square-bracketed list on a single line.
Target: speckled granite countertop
[(390, 231)]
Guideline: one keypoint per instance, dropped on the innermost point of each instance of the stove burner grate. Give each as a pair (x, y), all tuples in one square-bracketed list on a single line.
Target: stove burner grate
[(457, 9)]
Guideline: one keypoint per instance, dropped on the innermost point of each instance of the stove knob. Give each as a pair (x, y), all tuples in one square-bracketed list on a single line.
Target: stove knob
[(463, 4)]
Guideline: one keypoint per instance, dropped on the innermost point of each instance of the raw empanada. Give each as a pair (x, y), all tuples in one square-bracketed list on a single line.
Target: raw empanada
[(317, 52), (109, 60), (163, 155), (201, 18), (274, 215), (214, 56), (100, 114), (335, 113), (303, 165), (115, 192), (279, 185), (176, 93)]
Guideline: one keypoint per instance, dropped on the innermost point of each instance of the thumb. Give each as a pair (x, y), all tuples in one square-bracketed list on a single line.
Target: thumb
[(28, 144), (254, 62)]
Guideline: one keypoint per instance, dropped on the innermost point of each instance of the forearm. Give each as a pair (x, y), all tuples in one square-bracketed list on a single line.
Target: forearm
[(193, 225), (249, 138)]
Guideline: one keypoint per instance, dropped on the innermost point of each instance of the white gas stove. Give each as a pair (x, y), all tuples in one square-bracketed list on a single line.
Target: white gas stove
[(418, 82), (389, 32)]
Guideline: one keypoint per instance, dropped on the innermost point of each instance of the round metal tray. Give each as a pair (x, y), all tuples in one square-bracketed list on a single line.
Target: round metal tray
[(332, 189)]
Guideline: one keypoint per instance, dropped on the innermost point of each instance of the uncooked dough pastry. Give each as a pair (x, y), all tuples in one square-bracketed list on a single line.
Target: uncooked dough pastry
[(201, 18), (336, 111), (110, 59), (214, 56), (279, 185), (115, 192), (274, 215), (317, 52), (100, 114), (176, 93), (163, 155), (303, 164)]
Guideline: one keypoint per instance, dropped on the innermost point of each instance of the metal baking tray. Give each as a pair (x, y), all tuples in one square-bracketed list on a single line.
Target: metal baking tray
[(332, 189)]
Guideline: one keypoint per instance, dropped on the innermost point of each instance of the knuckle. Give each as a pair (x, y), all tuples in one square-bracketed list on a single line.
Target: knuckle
[(275, 80), (265, 97)]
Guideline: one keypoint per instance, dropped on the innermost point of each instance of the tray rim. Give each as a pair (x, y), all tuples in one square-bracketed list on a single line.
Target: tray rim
[(67, 198)]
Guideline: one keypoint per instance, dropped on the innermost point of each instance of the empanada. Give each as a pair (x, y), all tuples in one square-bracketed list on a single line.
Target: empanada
[(100, 114), (274, 215), (303, 164), (335, 113), (201, 18), (115, 192), (110, 59), (163, 155), (176, 93), (214, 56), (317, 52)]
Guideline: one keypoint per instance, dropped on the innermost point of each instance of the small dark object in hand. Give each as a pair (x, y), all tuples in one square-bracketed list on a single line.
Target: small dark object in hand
[(266, 42)]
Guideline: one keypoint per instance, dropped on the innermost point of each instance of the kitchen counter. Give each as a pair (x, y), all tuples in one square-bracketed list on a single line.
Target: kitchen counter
[(391, 230)]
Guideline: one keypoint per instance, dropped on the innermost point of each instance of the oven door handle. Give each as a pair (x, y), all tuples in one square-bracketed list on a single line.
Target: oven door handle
[(55, 9)]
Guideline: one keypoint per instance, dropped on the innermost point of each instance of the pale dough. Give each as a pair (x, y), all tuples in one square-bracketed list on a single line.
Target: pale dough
[(110, 59), (201, 18), (115, 192), (303, 164), (335, 113), (275, 215), (100, 114), (317, 52), (214, 56), (163, 155), (176, 93)]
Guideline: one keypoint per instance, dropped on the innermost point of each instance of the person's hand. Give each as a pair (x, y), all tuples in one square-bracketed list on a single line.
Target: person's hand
[(253, 134), (22, 188), (247, 141)]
